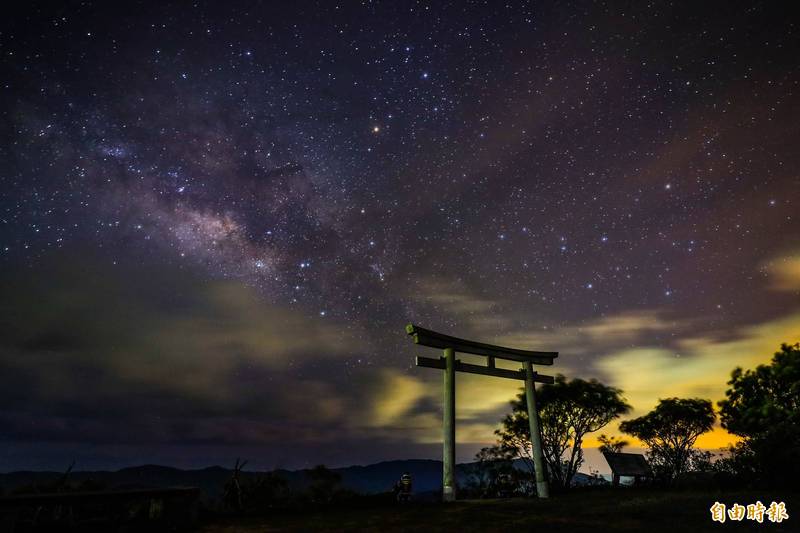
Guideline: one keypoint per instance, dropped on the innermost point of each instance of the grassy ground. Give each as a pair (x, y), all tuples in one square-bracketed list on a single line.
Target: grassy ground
[(599, 510)]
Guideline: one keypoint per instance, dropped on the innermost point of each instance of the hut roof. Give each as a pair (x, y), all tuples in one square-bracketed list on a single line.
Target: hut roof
[(628, 464)]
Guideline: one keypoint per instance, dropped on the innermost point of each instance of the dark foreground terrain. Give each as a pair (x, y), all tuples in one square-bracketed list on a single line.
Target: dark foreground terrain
[(597, 510)]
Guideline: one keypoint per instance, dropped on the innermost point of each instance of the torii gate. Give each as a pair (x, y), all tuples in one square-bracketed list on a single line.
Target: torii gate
[(450, 365)]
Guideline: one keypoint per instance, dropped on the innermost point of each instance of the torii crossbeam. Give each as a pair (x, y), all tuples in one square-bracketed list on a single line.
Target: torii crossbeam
[(448, 363)]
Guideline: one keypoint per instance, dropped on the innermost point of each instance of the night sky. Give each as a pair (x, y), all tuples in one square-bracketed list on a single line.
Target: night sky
[(216, 218)]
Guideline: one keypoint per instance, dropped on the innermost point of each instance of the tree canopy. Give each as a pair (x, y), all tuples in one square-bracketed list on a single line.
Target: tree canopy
[(611, 444), (568, 410), (670, 431), (763, 407)]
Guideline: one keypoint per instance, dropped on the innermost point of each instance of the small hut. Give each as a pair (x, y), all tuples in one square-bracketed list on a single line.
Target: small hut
[(628, 464)]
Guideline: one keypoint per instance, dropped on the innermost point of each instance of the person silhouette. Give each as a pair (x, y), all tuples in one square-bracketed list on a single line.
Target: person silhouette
[(403, 488)]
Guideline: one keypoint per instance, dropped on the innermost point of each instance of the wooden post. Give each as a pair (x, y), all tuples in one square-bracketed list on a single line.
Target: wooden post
[(449, 427), (542, 490)]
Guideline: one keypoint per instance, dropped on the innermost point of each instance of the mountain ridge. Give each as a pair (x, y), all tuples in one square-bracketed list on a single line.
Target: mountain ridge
[(365, 479)]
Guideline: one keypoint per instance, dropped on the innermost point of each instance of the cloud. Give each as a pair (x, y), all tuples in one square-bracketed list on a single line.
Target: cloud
[(578, 344), (409, 407), (628, 327), (699, 367), (158, 354), (453, 299), (490, 320), (394, 397), (784, 272)]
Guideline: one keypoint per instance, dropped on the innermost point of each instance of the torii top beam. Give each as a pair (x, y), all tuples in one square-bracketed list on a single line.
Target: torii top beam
[(426, 337)]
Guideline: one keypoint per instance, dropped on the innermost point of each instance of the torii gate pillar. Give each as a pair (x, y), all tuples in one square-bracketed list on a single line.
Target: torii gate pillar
[(536, 436), (449, 427)]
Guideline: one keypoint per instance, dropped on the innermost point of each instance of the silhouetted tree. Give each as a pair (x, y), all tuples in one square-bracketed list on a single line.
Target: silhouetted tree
[(232, 493), (324, 483), (265, 491), (611, 444), (492, 475), (568, 410), (670, 431), (763, 407), (513, 438)]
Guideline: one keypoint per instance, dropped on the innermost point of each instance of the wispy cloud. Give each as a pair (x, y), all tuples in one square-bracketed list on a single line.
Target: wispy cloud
[(784, 272), (462, 305)]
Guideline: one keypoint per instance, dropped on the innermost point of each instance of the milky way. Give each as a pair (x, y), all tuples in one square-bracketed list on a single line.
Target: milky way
[(586, 177)]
